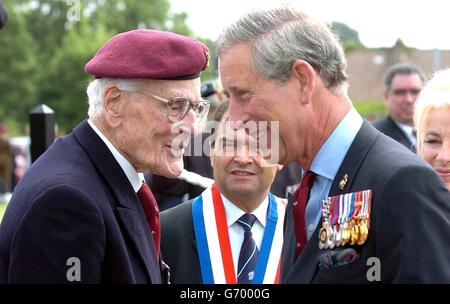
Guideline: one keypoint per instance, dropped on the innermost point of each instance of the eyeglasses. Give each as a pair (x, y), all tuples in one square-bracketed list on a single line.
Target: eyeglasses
[(180, 106)]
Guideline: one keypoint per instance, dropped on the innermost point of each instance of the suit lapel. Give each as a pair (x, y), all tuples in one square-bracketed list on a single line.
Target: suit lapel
[(304, 268), (354, 158), (128, 208), (400, 136), (289, 243)]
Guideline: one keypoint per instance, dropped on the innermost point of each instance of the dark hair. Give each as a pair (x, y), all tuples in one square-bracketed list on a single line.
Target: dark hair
[(221, 110), (402, 69)]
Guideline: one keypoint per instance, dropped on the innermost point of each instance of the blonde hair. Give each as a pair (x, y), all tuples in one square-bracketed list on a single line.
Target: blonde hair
[(435, 95)]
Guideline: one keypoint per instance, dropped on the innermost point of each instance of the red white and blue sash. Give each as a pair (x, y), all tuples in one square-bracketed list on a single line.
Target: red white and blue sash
[(211, 232)]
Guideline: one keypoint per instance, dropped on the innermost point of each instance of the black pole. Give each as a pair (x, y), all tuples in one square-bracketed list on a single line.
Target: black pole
[(42, 130)]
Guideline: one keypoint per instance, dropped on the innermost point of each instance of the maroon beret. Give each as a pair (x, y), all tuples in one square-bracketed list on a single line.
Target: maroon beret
[(149, 54)]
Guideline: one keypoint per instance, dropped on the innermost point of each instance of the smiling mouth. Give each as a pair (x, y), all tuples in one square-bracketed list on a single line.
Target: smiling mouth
[(444, 173), (242, 173), (176, 151)]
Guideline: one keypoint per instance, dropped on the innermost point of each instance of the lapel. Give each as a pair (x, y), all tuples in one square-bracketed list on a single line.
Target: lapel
[(127, 205), (354, 158), (288, 251), (400, 136), (304, 268)]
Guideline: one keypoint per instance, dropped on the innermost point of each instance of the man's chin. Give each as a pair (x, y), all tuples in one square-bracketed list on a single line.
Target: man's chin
[(243, 190), (173, 169)]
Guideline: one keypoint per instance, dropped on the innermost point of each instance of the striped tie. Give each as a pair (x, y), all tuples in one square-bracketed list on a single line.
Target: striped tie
[(249, 252)]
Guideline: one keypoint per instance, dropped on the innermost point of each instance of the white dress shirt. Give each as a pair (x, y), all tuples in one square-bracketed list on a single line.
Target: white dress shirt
[(408, 130), (235, 230)]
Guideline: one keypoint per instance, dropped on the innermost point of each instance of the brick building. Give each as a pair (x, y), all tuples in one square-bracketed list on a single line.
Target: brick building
[(366, 67)]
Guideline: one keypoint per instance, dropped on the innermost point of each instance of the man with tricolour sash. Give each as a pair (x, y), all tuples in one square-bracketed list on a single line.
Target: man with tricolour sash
[(233, 232)]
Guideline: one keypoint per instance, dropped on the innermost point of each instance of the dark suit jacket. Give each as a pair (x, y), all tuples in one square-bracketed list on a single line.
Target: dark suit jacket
[(410, 218), (178, 245), (76, 201), (390, 128)]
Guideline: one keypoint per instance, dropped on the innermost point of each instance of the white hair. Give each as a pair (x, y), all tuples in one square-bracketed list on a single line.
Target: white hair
[(96, 89), (435, 95)]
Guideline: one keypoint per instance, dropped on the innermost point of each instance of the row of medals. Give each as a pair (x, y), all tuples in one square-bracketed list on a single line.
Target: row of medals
[(350, 233)]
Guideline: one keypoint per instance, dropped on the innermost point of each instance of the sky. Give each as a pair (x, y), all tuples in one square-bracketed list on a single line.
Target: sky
[(422, 24)]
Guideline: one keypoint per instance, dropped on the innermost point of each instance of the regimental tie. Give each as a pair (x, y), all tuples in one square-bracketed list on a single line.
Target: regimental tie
[(299, 211), (248, 255), (151, 210)]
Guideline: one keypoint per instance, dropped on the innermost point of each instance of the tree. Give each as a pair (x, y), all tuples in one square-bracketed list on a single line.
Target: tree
[(121, 16), (43, 53), (19, 69), (348, 36), (64, 84)]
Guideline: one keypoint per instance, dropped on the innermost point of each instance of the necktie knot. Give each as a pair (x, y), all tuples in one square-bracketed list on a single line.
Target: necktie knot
[(247, 221)]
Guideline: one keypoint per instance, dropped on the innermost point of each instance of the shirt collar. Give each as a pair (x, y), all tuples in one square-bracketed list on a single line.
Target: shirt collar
[(408, 130), (233, 213), (133, 176), (330, 156)]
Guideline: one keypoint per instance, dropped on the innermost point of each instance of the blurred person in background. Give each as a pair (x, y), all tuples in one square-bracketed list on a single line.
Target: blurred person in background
[(232, 232), (6, 160), (432, 121), (212, 90), (403, 82)]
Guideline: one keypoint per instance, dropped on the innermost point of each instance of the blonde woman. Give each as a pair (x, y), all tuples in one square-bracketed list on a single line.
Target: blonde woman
[(432, 121)]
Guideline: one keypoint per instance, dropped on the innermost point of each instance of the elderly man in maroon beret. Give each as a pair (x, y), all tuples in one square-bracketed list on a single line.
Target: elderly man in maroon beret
[(83, 212)]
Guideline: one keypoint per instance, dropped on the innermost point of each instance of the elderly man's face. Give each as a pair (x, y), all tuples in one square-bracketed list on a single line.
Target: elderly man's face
[(435, 146), (253, 98), (147, 138)]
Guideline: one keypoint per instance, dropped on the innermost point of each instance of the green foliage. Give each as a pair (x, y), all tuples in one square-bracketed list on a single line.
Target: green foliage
[(19, 69), (211, 72), (43, 52), (370, 109), (123, 15), (67, 67), (348, 36)]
